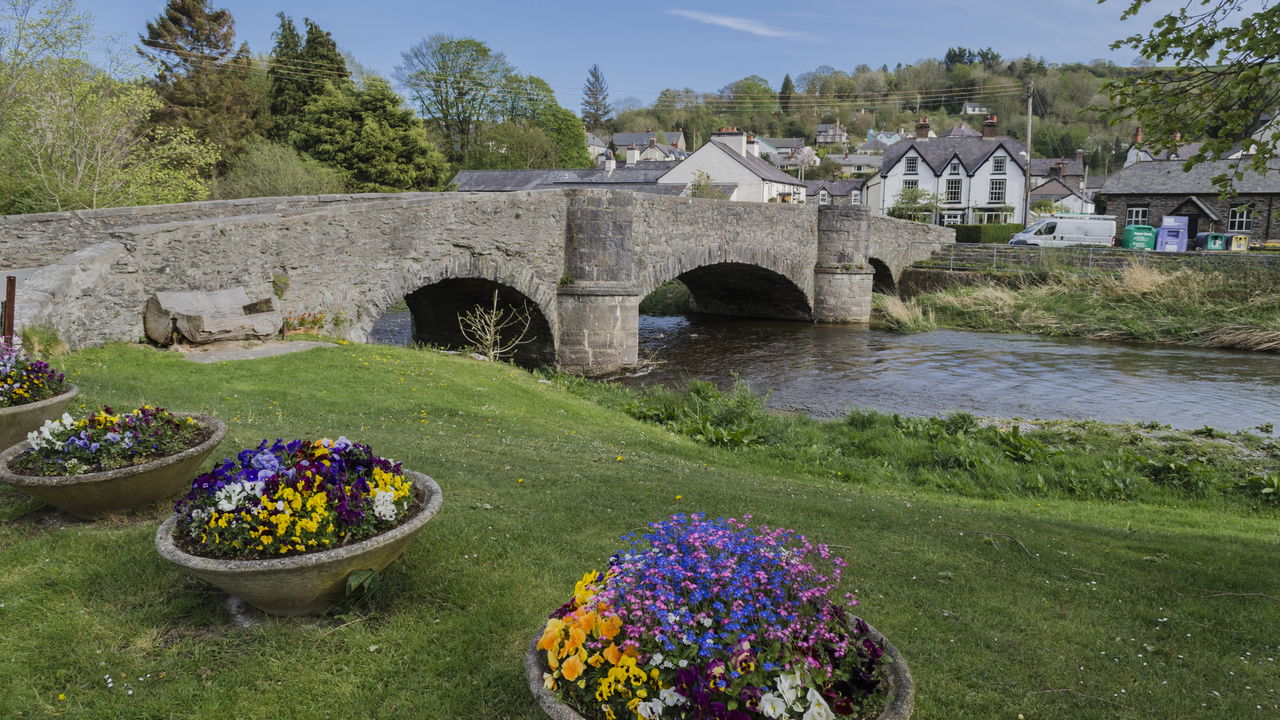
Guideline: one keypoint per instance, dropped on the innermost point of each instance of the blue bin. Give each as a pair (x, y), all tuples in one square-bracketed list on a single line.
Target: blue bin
[(1170, 239)]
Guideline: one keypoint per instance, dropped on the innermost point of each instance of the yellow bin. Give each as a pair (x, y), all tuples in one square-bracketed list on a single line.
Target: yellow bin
[(1239, 243)]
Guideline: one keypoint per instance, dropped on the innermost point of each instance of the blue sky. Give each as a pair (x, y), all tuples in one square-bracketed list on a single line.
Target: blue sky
[(645, 48)]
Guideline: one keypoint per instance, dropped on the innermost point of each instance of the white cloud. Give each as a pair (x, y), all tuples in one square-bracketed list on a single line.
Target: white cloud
[(746, 25)]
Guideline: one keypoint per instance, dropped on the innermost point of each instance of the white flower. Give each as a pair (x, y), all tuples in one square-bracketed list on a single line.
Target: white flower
[(772, 706), (818, 708), (231, 495), (650, 709), (669, 696), (384, 504), (789, 686), (655, 660)]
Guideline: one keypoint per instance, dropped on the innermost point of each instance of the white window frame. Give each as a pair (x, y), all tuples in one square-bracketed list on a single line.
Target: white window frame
[(999, 165), (954, 188), (1137, 215), (995, 197), (1240, 218), (910, 184), (991, 217), (953, 217), (824, 197), (912, 166), (955, 168)]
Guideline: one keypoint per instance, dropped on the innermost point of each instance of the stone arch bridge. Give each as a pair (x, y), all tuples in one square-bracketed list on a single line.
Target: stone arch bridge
[(583, 258)]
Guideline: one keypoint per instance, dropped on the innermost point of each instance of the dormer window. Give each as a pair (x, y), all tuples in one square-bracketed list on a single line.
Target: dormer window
[(955, 168), (998, 164), (913, 166)]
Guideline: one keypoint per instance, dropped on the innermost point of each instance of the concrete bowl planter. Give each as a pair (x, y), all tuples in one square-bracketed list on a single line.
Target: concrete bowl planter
[(309, 583), (93, 495), (901, 702), (17, 421)]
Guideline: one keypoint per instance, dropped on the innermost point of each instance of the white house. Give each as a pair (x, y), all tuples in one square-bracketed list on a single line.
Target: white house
[(832, 134), (595, 146), (978, 179), (641, 139), (1068, 198), (731, 161)]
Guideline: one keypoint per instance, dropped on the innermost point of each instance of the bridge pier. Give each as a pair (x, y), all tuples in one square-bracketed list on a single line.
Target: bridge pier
[(597, 301), (842, 279)]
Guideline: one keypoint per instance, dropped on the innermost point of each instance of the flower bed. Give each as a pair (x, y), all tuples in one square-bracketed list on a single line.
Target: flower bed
[(292, 498), (105, 440), (23, 380), (714, 619)]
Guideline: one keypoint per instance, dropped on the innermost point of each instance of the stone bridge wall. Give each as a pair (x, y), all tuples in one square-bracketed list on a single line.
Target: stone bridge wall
[(899, 244)]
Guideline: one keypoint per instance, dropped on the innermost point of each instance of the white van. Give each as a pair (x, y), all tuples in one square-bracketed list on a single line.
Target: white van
[(1064, 229)]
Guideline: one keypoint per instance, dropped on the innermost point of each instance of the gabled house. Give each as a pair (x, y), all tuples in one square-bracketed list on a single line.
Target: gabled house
[(856, 164), (832, 134), (1070, 199), (877, 142), (1146, 192), (729, 160), (595, 146), (782, 145), (654, 151), (974, 108), (978, 179), (674, 138), (1070, 171), (834, 192)]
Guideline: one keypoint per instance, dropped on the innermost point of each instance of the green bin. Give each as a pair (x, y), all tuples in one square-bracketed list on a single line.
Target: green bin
[(1211, 242), (1138, 237)]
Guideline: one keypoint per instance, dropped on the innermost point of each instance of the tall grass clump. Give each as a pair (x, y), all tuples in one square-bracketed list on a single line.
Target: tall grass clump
[(902, 316)]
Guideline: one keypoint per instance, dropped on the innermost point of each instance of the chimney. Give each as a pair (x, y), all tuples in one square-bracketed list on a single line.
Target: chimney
[(1177, 136), (989, 126), (922, 129), (633, 155), (753, 147), (733, 137), (610, 164), (1080, 156), (1055, 170), (1137, 136)]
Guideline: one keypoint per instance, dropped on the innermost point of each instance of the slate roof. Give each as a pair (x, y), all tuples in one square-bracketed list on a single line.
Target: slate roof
[(593, 139), (642, 176), (837, 188), (846, 159), (1054, 189), (622, 140), (1040, 167), (937, 152), (1181, 153), (761, 168), (1166, 177), (872, 146), (961, 130), (785, 143)]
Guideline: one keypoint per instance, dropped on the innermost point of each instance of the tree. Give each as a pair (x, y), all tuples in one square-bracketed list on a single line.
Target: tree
[(595, 99), (200, 74), (916, 204), (288, 94), (523, 98), (321, 61), (564, 129), (703, 187), (785, 93), (454, 82), (510, 146), (1216, 78), (380, 146), (267, 169), (33, 32), (82, 139)]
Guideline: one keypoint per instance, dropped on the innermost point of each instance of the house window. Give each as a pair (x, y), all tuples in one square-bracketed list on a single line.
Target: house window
[(955, 168), (953, 191), (824, 197), (910, 184), (988, 217), (998, 165), (953, 218), (1240, 219), (1136, 215), (995, 192), (913, 166)]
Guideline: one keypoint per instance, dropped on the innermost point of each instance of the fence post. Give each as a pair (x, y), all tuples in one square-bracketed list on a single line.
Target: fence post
[(10, 293)]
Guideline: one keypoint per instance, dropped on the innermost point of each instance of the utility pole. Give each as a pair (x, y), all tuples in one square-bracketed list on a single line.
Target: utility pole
[(1026, 175)]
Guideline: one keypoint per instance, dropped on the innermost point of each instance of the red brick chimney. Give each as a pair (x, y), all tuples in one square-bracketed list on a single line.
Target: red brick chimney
[(989, 126), (922, 128), (1137, 136)]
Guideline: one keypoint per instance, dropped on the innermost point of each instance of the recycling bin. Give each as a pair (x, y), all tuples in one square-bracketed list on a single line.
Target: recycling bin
[(1210, 242), (1138, 237), (1239, 243), (1172, 235)]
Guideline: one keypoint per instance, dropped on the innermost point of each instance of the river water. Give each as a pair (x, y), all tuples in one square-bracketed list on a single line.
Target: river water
[(827, 370)]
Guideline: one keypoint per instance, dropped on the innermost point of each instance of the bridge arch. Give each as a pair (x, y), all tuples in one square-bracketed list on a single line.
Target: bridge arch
[(726, 280)]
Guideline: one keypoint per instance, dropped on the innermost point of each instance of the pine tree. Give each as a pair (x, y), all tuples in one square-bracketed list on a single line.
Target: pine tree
[(595, 98), (322, 61), (288, 81), (201, 74), (785, 93)]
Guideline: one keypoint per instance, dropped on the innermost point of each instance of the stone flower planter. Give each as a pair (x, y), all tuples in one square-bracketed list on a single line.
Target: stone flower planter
[(305, 584), (17, 421), (902, 690), (93, 495)]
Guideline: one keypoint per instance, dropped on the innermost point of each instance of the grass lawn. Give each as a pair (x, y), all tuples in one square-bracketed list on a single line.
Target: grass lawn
[(1120, 610)]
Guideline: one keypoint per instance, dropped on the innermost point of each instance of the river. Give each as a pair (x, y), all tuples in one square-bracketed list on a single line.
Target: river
[(826, 370)]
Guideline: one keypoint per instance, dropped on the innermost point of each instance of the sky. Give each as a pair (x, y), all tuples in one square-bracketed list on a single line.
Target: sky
[(642, 49)]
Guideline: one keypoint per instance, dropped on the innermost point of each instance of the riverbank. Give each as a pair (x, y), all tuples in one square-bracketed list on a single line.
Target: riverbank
[(1124, 609), (1141, 303)]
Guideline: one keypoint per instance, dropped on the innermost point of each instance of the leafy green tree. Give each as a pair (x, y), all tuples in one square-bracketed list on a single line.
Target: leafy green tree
[(523, 98), (785, 93), (267, 169), (322, 61), (510, 146), (201, 74), (454, 82), (916, 204), (82, 139), (364, 132), (703, 186), (565, 132), (33, 32), (1216, 78), (595, 99)]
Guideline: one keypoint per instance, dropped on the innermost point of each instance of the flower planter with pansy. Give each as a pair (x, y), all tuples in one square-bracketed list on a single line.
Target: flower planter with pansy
[(283, 524), (31, 392), (714, 619), (107, 461)]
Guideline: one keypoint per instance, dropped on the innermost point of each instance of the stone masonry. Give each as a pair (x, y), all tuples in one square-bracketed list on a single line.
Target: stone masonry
[(583, 258)]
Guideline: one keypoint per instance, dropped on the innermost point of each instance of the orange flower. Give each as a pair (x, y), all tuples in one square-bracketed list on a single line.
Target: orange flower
[(586, 620), (609, 627), (572, 668), (612, 654), (576, 638)]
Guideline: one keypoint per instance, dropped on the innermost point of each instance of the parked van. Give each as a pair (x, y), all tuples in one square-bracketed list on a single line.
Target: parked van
[(1066, 229)]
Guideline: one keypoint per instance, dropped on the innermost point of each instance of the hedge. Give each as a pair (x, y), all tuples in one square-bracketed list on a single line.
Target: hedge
[(985, 233)]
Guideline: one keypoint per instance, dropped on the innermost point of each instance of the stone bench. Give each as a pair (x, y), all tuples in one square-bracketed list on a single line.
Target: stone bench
[(209, 316)]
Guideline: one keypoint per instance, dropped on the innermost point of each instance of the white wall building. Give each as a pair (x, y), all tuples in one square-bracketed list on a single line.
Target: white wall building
[(977, 180), (733, 162)]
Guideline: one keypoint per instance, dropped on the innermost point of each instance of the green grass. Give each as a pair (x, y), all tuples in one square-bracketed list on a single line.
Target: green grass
[(1141, 303), (1107, 617), (671, 298)]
